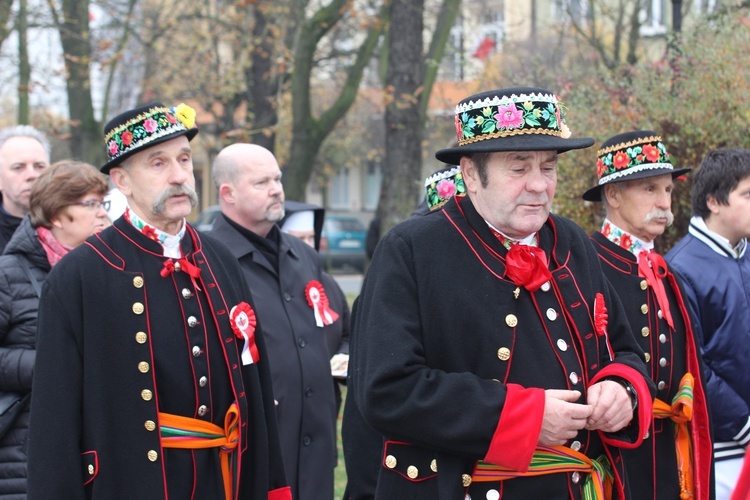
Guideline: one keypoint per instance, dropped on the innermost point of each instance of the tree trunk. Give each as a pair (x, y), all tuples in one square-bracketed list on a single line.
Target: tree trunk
[(24, 69), (87, 141), (403, 126), (308, 132)]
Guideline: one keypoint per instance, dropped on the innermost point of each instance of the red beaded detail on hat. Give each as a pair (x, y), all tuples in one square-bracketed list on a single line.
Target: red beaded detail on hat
[(505, 116)]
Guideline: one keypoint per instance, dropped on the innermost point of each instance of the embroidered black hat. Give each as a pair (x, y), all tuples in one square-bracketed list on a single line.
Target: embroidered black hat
[(629, 156), (512, 119), (443, 185), (143, 127)]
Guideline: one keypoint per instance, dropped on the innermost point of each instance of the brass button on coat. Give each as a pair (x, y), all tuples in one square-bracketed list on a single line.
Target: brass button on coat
[(147, 395), (511, 320), (138, 282), (390, 461), (412, 472), (645, 331), (644, 284), (503, 353), (647, 356), (644, 308), (433, 465), (143, 367), (152, 455), (465, 480), (150, 425), (138, 308), (141, 337), (91, 470)]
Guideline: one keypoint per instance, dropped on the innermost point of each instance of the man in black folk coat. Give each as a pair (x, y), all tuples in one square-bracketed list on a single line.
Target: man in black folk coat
[(636, 176), (292, 302), (151, 378), (487, 344)]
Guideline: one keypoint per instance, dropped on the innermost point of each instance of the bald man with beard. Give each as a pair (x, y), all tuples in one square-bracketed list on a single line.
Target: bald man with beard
[(286, 283)]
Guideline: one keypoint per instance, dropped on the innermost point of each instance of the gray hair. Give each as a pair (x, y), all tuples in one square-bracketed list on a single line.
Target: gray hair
[(24, 131)]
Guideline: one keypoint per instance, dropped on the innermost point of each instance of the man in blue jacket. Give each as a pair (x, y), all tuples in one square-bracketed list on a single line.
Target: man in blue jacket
[(715, 270)]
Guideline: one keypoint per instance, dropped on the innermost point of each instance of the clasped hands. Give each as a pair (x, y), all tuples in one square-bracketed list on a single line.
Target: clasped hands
[(608, 408)]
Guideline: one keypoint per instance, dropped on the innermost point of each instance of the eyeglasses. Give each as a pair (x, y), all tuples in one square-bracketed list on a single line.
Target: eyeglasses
[(93, 204)]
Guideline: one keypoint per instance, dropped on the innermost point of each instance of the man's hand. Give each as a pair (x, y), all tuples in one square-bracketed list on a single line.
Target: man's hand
[(612, 408), (562, 417)]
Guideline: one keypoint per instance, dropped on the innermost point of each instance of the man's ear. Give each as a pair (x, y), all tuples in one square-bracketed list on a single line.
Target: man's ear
[(121, 180), (611, 193), (227, 193), (712, 204), (470, 174)]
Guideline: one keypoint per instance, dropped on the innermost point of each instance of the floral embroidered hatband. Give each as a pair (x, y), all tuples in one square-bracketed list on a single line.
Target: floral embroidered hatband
[(630, 157), (508, 116), (442, 186), (146, 127)]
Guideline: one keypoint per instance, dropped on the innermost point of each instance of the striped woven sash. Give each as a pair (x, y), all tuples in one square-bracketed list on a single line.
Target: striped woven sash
[(553, 460), (681, 412), (190, 433)]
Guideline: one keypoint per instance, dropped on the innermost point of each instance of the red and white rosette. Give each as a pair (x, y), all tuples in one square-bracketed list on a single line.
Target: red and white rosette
[(317, 299), (242, 319)]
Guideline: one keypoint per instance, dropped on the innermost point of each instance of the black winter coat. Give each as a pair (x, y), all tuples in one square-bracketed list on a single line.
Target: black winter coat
[(19, 304), (126, 335)]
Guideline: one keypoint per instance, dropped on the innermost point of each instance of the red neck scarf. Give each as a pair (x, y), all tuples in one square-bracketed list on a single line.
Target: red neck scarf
[(652, 267), (54, 249)]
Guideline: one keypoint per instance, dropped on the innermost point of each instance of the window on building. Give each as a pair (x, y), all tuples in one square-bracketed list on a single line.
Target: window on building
[(569, 9), (653, 18), (372, 186), (338, 190)]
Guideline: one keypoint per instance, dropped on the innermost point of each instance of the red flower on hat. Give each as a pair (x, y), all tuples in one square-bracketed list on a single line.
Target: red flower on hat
[(651, 152), (526, 266), (600, 168), (509, 116), (113, 148), (126, 138), (171, 118), (150, 125), (621, 160)]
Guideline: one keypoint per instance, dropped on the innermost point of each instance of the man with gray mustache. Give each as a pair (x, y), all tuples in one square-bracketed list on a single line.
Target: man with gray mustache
[(635, 185), (152, 377)]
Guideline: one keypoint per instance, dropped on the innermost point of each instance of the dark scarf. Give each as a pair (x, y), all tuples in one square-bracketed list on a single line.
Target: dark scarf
[(268, 246)]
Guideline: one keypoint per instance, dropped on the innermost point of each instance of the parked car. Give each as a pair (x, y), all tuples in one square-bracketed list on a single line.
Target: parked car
[(342, 243), (205, 220)]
